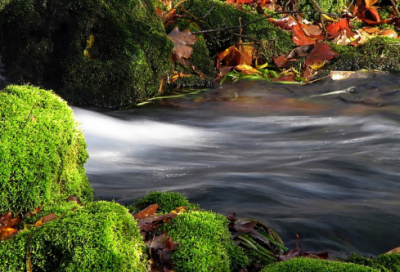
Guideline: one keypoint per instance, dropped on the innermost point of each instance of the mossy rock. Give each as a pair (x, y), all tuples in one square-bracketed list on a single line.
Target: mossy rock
[(384, 262), (101, 236), (315, 265), (42, 150), (381, 53), (166, 201), (43, 42), (275, 40), (205, 243)]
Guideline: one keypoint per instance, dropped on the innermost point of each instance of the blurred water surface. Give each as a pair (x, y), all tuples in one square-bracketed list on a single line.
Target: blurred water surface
[(325, 167)]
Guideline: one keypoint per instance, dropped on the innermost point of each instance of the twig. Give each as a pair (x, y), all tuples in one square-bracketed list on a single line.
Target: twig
[(395, 8), (260, 19)]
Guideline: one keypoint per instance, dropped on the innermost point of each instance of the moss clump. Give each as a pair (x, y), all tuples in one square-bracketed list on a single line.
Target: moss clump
[(167, 201), (330, 6), (102, 236), (274, 41), (384, 262), (42, 150), (44, 42), (381, 53), (315, 265), (205, 243)]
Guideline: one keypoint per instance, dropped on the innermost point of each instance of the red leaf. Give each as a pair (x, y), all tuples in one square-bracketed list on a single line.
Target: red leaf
[(281, 61), (335, 29), (149, 211), (320, 52)]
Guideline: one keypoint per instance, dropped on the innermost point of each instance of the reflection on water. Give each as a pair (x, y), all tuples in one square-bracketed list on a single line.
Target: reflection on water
[(323, 168)]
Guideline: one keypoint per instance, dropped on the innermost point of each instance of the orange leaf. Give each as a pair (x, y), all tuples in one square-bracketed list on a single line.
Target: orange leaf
[(7, 220), (335, 29), (183, 42), (231, 57), (7, 233), (149, 211), (246, 69), (320, 52), (299, 38), (247, 52), (370, 3)]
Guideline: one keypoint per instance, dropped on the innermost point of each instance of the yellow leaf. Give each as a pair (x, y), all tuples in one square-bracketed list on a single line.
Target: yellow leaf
[(246, 69)]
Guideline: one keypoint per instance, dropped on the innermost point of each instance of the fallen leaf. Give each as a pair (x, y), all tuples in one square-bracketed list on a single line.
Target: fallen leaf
[(7, 233), (281, 61), (149, 211), (312, 30), (246, 69), (45, 219), (75, 199), (183, 42), (320, 52), (7, 220)]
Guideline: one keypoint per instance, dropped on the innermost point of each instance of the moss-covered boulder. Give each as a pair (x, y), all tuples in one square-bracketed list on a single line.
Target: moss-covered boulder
[(381, 53), (273, 40), (42, 150), (101, 236), (205, 243), (315, 265), (384, 262), (166, 201), (107, 53)]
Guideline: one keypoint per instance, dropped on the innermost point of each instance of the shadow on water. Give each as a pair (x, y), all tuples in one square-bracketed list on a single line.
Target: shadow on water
[(325, 167)]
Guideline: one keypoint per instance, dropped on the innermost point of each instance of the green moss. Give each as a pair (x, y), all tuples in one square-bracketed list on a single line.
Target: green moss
[(205, 243), (384, 262), (167, 201), (382, 53), (43, 43), (330, 6), (102, 236), (315, 265), (42, 150), (275, 41)]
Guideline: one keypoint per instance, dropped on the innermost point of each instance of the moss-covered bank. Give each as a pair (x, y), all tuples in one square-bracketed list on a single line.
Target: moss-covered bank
[(43, 43), (42, 150), (101, 236)]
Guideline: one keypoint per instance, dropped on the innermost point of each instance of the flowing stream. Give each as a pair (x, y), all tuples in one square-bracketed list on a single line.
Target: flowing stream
[(326, 167)]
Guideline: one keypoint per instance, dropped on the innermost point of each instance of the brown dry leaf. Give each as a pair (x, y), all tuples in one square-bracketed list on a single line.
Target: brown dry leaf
[(7, 220), (45, 219), (312, 30), (246, 69), (75, 199), (320, 52), (248, 53), (183, 42), (394, 250), (370, 30), (281, 61), (149, 211)]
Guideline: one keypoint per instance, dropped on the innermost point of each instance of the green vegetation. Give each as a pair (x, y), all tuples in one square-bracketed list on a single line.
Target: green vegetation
[(205, 243), (167, 201), (315, 265), (101, 236), (275, 41), (384, 262), (381, 53), (42, 150), (44, 42)]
